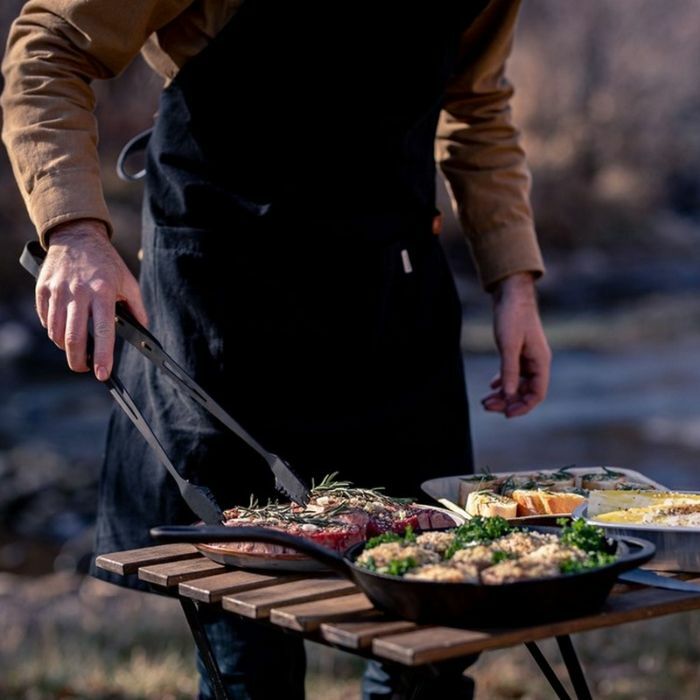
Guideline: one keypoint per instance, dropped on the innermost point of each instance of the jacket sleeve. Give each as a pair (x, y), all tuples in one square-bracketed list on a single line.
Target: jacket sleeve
[(55, 49), (480, 155)]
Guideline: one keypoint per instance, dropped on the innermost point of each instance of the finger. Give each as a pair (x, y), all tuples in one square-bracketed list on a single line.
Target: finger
[(56, 316), (539, 383), (76, 335), (495, 383), (41, 300), (518, 408), (494, 404), (510, 369), (134, 300), (103, 329)]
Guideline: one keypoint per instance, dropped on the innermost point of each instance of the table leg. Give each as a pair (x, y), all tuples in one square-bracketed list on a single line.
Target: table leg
[(191, 611), (573, 666), (548, 671)]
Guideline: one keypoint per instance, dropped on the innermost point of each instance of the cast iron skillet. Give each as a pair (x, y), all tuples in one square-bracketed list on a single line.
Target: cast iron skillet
[(457, 604)]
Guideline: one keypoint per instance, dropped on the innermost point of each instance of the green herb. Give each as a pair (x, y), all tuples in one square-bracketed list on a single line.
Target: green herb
[(370, 564), (593, 561), (499, 556), (289, 513), (384, 538), (561, 474), (328, 486), (408, 538), (580, 534), (399, 567), (511, 484), (608, 474), (475, 530)]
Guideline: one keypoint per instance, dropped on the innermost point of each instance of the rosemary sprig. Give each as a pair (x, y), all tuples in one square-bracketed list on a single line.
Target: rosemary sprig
[(329, 486)]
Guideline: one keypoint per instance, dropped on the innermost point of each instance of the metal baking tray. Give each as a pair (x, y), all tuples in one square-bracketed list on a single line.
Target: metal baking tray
[(677, 548)]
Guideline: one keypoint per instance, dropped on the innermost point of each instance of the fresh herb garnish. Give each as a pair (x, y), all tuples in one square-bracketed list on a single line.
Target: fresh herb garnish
[(399, 567), (498, 556), (561, 474), (289, 513), (328, 486), (475, 530), (408, 538), (370, 564), (594, 560), (580, 534)]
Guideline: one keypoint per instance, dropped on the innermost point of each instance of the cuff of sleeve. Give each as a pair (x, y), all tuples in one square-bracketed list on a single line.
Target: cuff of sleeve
[(499, 254), (59, 197)]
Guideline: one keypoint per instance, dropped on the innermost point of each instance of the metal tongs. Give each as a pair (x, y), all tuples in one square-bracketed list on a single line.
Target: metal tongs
[(199, 498)]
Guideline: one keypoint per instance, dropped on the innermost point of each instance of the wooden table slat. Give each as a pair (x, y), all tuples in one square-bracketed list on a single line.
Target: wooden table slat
[(172, 573), (441, 643), (128, 562), (307, 617), (258, 603), (211, 589), (359, 635)]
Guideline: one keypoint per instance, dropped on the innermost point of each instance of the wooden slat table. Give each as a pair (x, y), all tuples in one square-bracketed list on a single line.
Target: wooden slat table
[(333, 611)]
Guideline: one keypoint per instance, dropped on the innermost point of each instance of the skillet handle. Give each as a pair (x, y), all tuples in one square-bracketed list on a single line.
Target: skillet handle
[(635, 559), (214, 533)]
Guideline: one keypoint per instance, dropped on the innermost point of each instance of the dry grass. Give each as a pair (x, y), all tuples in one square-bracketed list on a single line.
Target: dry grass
[(65, 637)]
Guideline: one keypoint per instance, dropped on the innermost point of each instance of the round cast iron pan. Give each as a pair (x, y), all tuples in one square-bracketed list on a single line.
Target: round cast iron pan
[(456, 604)]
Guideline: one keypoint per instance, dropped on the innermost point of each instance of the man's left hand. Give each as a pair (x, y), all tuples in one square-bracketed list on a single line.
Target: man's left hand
[(525, 355)]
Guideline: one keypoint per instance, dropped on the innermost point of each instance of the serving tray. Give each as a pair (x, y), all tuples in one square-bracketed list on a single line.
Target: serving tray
[(447, 487), (677, 548)]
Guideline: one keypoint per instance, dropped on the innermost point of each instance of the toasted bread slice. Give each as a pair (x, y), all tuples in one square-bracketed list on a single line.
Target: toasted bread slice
[(560, 503), (533, 502), (490, 504), (528, 501)]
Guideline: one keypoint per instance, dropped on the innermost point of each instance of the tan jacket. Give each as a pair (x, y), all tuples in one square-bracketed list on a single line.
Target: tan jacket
[(56, 47)]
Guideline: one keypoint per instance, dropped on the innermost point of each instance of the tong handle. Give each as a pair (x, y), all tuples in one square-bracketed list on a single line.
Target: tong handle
[(33, 257), (198, 498)]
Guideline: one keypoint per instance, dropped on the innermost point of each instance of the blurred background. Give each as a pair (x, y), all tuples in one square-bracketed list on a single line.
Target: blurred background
[(608, 103)]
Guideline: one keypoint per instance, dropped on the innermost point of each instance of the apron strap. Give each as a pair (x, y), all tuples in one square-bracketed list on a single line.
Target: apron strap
[(137, 144)]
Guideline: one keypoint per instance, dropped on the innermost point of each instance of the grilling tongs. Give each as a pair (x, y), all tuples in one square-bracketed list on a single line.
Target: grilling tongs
[(199, 498)]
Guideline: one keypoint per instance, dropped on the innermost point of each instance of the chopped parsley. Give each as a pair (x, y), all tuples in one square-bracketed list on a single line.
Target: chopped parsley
[(408, 537), (477, 530), (498, 556), (594, 560), (370, 564), (399, 567), (580, 534)]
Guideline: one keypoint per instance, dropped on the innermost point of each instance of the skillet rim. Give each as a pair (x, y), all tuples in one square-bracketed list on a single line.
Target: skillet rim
[(355, 550)]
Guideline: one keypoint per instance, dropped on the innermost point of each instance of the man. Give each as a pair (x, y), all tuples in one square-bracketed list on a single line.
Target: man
[(289, 261)]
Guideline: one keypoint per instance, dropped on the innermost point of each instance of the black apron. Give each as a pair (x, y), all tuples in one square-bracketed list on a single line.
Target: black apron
[(290, 265)]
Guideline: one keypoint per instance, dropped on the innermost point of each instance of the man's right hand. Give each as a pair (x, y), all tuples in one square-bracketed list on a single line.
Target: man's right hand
[(83, 276)]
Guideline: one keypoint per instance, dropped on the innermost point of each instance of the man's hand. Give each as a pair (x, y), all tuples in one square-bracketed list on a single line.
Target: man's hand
[(83, 277), (525, 355)]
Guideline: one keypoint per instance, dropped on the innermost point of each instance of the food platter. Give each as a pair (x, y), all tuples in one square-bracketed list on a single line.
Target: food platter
[(677, 547), (229, 554), (446, 489)]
